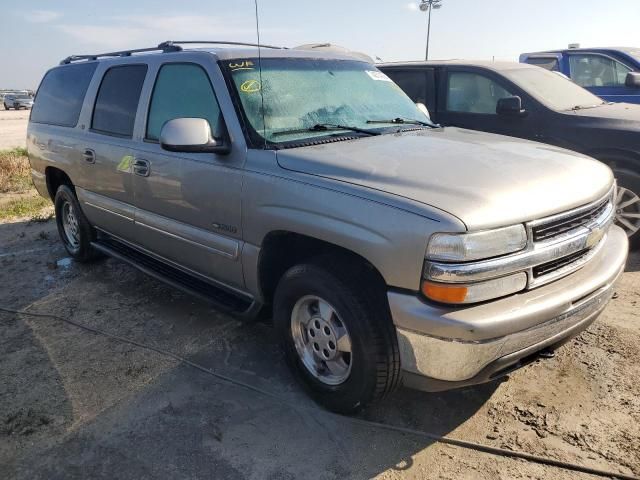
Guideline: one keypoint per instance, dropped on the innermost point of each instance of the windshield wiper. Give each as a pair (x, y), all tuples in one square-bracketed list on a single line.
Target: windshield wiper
[(406, 121), (325, 127)]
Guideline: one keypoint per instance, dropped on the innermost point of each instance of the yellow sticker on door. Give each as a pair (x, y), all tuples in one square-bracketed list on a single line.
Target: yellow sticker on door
[(250, 86), (125, 163)]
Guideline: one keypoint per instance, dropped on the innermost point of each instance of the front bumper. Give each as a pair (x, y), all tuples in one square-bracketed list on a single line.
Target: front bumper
[(443, 347)]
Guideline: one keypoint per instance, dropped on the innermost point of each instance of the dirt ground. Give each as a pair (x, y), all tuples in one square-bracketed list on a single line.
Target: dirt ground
[(13, 125), (74, 404)]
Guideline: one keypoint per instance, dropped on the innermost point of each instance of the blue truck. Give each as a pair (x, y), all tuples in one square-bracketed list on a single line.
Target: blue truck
[(611, 73)]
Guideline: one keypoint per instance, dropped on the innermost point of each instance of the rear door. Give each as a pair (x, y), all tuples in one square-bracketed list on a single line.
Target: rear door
[(603, 76), (188, 205), (418, 84), (107, 150), (548, 62), (468, 98)]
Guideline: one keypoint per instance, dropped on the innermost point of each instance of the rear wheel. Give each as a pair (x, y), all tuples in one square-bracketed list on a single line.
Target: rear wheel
[(73, 227), (337, 335), (628, 205)]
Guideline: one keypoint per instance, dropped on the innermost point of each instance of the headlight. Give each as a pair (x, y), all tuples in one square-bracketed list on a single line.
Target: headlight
[(469, 247), (465, 247)]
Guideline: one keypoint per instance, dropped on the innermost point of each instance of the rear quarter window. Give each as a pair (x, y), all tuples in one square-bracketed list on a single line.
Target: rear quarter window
[(61, 94), (548, 63)]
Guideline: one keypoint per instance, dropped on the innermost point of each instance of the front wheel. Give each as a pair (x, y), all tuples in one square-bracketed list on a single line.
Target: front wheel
[(628, 205), (337, 335), (74, 229)]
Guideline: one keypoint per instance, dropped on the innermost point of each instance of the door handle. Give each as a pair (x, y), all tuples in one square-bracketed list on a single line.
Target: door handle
[(141, 167), (89, 156)]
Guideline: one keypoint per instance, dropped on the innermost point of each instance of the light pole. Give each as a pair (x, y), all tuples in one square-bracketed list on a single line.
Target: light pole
[(427, 6)]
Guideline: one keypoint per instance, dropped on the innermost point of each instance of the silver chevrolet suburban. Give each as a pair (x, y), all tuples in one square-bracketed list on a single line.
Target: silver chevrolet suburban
[(307, 185)]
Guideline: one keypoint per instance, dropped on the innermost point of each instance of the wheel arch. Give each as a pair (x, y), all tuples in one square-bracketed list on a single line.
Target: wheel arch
[(56, 177), (282, 249), (617, 157)]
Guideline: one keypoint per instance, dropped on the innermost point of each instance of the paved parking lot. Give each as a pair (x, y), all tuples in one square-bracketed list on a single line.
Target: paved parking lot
[(74, 404)]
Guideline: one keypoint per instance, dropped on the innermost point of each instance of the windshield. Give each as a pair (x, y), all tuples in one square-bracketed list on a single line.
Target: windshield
[(302, 94), (552, 89)]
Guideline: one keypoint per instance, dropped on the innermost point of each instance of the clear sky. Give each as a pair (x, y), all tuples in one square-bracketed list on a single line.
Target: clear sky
[(37, 34)]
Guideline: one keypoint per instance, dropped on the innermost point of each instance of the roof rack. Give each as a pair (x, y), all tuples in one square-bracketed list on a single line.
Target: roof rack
[(164, 47), (174, 43), (123, 53)]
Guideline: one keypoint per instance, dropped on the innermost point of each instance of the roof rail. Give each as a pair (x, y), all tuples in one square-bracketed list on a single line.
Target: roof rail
[(165, 47), (172, 43), (123, 53)]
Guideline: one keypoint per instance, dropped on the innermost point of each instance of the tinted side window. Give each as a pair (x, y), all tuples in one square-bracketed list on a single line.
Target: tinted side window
[(473, 93), (182, 90), (115, 110), (413, 83), (548, 63), (597, 71), (61, 94)]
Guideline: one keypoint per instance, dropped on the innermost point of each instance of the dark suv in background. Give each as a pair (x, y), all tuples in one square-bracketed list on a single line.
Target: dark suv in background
[(529, 102)]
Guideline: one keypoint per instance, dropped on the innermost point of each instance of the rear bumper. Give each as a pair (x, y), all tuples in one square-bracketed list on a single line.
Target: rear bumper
[(443, 347)]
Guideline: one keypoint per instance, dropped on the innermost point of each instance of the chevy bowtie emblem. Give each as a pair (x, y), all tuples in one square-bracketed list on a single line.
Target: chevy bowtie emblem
[(594, 237)]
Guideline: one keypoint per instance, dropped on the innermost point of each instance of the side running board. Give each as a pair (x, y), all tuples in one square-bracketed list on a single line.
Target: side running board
[(222, 299)]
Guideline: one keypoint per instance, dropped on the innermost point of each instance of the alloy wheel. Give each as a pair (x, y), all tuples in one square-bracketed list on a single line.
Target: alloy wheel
[(321, 339), (70, 225), (628, 211)]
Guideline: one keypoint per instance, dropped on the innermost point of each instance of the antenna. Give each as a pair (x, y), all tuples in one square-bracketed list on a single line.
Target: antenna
[(264, 126)]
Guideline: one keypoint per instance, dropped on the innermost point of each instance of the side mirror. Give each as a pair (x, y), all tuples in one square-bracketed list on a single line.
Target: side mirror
[(423, 108), (632, 80), (511, 106), (192, 135)]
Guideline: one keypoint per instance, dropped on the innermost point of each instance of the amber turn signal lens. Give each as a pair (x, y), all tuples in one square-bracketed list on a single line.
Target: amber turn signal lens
[(444, 293)]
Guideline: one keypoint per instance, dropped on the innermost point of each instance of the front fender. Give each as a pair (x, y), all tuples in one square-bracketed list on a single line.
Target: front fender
[(393, 240)]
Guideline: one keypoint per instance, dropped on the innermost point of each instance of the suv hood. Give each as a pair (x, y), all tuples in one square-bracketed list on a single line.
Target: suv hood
[(485, 180), (614, 111)]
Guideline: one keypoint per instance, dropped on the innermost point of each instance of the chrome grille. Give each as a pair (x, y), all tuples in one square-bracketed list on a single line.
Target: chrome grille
[(567, 223), (591, 222), (559, 263)]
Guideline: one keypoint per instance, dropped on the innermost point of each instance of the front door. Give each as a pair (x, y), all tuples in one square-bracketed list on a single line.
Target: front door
[(468, 99), (603, 76), (188, 205)]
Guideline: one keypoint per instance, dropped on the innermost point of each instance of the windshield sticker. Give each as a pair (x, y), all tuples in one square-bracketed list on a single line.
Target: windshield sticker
[(378, 76), (246, 65), (250, 86)]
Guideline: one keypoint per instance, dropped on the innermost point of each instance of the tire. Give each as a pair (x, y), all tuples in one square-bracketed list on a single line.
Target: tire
[(74, 229), (628, 205), (6, 107), (360, 309)]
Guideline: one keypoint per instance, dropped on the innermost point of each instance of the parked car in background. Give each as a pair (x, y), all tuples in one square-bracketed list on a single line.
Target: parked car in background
[(387, 251), (613, 74), (17, 101), (529, 102)]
